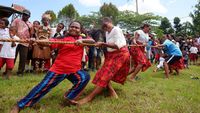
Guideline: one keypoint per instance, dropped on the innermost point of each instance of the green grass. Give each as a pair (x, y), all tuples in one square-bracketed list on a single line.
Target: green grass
[(151, 94)]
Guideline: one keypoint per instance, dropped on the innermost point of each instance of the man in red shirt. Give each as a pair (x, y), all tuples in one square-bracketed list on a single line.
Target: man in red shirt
[(66, 66)]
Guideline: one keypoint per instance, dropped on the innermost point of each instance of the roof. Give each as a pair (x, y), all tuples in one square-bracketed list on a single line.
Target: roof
[(8, 11), (18, 7)]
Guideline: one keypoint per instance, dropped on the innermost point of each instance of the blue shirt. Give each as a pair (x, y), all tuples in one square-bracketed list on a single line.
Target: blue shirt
[(150, 42), (171, 48)]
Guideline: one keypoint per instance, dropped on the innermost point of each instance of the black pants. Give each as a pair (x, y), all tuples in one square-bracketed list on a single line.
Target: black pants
[(23, 53), (91, 58)]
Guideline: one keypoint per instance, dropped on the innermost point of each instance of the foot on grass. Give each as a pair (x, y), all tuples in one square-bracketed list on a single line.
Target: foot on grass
[(15, 109), (84, 101), (68, 102), (113, 95)]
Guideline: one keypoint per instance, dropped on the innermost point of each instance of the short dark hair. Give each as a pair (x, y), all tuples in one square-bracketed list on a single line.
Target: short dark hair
[(144, 25), (106, 19), (61, 24), (77, 22), (6, 21), (14, 28), (36, 21)]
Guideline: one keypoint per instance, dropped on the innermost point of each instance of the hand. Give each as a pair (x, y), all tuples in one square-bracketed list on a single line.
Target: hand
[(43, 42), (32, 40), (100, 44), (145, 44), (78, 42), (13, 44)]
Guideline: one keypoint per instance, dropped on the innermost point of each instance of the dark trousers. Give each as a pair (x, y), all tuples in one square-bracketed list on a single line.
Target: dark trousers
[(23, 53), (91, 58)]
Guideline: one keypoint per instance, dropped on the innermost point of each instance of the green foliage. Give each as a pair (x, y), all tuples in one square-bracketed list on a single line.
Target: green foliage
[(166, 26), (177, 26), (187, 29), (68, 12), (52, 14), (177, 21), (89, 20), (109, 10), (132, 21), (196, 18), (159, 32)]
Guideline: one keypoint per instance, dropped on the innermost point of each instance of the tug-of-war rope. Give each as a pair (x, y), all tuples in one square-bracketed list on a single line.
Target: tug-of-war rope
[(55, 42)]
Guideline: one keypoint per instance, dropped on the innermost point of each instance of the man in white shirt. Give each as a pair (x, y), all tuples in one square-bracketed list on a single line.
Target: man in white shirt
[(55, 34)]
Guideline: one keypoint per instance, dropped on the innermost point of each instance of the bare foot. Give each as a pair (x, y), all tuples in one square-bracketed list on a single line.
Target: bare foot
[(73, 102), (131, 80), (154, 70), (68, 102), (114, 95), (15, 109), (84, 101)]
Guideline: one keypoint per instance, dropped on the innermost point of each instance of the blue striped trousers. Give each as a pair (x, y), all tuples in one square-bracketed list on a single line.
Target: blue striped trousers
[(78, 79)]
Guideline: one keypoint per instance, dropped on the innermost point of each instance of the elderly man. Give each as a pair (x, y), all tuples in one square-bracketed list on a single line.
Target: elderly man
[(24, 27)]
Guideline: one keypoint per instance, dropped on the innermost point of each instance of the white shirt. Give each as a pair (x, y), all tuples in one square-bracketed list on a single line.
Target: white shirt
[(4, 32), (53, 32), (116, 36), (193, 50), (7, 51), (161, 61), (143, 37), (198, 40), (177, 44)]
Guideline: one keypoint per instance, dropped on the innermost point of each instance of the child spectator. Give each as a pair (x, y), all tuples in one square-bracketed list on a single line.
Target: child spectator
[(185, 58), (193, 54), (8, 50), (161, 61)]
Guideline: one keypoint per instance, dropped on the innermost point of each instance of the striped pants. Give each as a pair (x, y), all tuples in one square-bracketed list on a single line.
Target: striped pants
[(79, 80)]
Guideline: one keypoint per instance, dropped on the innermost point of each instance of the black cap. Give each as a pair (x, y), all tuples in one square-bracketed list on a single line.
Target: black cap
[(26, 12)]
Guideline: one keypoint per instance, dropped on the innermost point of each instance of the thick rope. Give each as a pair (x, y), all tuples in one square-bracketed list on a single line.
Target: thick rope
[(58, 42)]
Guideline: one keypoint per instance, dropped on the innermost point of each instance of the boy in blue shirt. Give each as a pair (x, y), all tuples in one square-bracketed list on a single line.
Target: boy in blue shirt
[(174, 55)]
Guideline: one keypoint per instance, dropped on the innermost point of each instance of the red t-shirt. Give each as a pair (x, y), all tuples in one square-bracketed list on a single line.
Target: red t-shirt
[(69, 56)]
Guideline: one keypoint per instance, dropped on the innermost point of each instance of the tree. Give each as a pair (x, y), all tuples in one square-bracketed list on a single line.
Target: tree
[(67, 14), (187, 29), (89, 20), (177, 26), (109, 10), (166, 26), (131, 21), (53, 16), (196, 18), (159, 32)]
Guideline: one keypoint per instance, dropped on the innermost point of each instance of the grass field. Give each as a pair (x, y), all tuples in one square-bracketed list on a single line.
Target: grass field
[(151, 94)]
